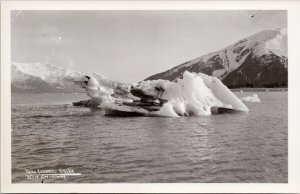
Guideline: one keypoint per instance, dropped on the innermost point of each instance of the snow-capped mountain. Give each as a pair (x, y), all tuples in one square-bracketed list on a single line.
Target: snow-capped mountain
[(257, 61), (38, 77)]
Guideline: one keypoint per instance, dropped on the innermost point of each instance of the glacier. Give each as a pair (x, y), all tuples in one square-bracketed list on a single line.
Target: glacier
[(194, 94)]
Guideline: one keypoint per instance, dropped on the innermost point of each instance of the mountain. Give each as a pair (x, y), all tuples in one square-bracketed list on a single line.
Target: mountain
[(22, 82), (38, 77), (257, 61)]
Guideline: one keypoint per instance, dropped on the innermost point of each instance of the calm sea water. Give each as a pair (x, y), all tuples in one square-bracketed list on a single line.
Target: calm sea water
[(50, 134)]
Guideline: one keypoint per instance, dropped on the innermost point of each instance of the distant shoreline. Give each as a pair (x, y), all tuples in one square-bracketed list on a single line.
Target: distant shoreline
[(259, 89), (233, 90)]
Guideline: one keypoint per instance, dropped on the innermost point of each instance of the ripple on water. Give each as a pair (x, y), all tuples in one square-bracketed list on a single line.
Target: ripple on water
[(242, 147)]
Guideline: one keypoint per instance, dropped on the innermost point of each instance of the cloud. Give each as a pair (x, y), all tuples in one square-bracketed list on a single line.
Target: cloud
[(279, 42), (58, 39)]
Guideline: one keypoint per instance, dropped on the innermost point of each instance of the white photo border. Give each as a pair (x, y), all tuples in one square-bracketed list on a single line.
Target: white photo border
[(293, 185)]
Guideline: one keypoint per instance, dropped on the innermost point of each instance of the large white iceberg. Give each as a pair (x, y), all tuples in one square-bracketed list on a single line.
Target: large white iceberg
[(193, 95)]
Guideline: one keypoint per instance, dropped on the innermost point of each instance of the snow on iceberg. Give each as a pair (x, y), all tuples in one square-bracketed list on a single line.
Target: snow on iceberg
[(100, 89), (253, 98), (98, 93), (193, 95)]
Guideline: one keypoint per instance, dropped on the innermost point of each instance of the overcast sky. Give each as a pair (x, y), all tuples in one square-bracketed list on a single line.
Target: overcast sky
[(130, 45)]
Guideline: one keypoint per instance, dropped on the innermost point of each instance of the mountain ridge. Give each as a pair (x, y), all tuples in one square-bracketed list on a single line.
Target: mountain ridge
[(259, 60), (40, 78), (224, 61)]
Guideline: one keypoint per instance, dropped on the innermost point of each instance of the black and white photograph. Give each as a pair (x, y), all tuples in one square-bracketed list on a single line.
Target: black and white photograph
[(149, 96)]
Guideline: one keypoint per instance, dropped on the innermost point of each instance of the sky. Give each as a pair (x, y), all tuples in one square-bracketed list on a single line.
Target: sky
[(129, 45)]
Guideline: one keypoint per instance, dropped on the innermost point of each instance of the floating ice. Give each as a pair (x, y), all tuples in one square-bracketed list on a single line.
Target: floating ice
[(193, 95), (253, 98), (99, 94)]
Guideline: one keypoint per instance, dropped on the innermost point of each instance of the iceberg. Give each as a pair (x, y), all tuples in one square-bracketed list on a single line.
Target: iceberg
[(194, 94), (253, 98)]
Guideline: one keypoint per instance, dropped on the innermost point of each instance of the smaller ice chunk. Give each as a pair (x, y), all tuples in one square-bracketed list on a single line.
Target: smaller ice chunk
[(97, 92), (253, 98)]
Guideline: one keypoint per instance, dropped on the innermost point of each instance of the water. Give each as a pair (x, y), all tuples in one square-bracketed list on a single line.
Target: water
[(49, 133)]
